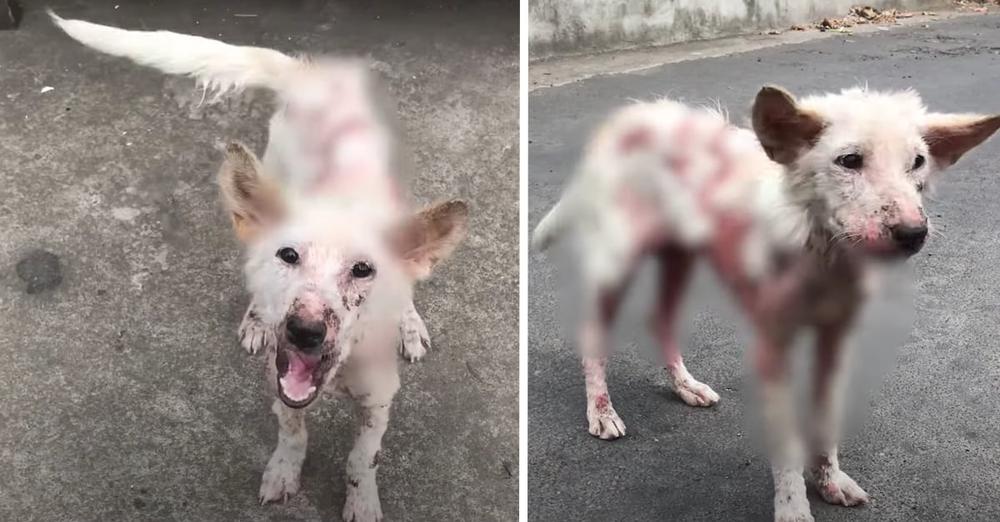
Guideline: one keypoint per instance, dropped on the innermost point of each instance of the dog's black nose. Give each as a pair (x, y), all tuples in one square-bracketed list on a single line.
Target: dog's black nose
[(909, 238), (306, 335)]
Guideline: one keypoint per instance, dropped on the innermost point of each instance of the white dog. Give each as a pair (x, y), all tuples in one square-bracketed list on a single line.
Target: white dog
[(791, 215), (332, 251)]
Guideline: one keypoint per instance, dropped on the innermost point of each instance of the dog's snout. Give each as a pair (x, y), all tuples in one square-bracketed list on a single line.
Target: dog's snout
[(909, 238), (305, 335)]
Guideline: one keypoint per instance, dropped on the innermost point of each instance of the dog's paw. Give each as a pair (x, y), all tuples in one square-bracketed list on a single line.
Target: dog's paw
[(415, 341), (838, 488), (281, 479), (255, 337), (690, 390), (792, 509), (362, 505), (604, 420), (695, 393), (793, 515), (414, 347)]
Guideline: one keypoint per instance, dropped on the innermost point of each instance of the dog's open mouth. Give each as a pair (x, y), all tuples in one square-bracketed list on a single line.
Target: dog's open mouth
[(300, 375)]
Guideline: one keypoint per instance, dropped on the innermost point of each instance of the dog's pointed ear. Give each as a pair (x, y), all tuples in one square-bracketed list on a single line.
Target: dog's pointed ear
[(429, 236), (949, 136), (784, 129), (252, 199)]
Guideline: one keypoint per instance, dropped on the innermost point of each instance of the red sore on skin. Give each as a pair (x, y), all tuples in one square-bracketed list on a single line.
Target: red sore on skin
[(601, 402), (676, 165), (727, 245), (639, 137), (725, 169)]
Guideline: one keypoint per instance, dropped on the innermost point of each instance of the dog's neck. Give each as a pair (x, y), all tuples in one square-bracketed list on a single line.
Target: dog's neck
[(821, 244)]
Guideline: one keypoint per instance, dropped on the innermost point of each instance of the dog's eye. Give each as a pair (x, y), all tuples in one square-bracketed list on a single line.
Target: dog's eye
[(362, 270), (920, 186), (918, 162), (288, 255), (850, 161)]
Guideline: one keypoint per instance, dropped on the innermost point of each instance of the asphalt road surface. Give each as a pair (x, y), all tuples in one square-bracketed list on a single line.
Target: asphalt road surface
[(928, 446)]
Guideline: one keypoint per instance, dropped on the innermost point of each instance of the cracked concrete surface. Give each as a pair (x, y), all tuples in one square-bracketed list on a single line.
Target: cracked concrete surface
[(928, 449), (126, 394)]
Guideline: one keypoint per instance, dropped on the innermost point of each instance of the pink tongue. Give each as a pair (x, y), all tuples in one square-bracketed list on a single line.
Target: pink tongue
[(297, 383)]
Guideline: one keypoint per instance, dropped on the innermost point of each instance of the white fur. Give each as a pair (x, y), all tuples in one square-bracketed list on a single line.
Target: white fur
[(217, 66), (281, 476)]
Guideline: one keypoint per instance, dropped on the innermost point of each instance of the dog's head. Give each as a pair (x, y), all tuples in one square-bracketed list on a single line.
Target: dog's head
[(320, 272), (859, 161)]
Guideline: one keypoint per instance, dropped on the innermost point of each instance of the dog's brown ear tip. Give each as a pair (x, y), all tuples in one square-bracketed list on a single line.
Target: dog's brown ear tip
[(774, 92), (769, 90)]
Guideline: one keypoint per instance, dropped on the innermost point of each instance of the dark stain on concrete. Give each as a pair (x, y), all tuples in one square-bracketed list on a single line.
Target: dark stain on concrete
[(41, 270)]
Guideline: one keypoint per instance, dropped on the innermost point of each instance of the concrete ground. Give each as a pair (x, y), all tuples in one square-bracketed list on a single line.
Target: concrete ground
[(929, 447), (126, 394)]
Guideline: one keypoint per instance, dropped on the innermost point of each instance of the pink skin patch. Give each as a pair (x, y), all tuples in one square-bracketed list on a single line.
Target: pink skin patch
[(726, 250), (634, 139), (725, 171), (642, 218), (872, 231), (601, 403)]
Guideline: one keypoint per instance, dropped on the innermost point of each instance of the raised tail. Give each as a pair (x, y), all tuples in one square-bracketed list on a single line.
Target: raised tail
[(550, 227), (217, 66)]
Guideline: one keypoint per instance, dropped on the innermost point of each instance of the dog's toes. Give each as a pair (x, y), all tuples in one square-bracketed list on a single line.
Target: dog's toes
[(606, 425), (698, 394), (689, 389), (789, 516), (280, 482), (362, 505), (794, 510), (840, 489), (255, 338), (413, 347)]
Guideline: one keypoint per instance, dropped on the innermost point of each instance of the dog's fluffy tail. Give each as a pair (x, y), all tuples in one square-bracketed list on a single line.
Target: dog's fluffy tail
[(217, 66), (550, 227)]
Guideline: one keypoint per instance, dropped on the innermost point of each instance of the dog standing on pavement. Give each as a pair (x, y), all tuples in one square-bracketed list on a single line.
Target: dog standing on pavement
[(791, 215), (332, 250)]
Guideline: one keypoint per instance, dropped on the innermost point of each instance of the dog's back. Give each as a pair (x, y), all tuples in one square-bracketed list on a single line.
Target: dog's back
[(667, 173)]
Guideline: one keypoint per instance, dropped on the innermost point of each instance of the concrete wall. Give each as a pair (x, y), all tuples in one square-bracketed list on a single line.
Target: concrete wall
[(560, 27)]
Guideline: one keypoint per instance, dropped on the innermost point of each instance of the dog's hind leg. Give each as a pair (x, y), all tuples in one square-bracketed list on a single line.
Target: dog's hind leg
[(675, 270), (602, 418), (281, 476), (255, 336), (414, 339), (374, 393), (835, 486)]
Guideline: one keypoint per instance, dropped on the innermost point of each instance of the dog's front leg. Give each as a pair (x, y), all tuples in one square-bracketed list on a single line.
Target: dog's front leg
[(281, 476), (255, 336), (374, 395), (784, 443), (415, 341), (835, 486)]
